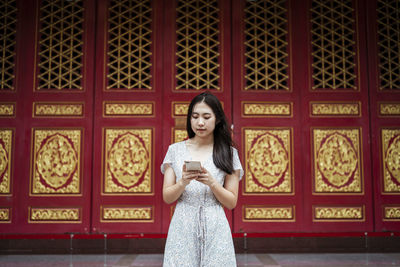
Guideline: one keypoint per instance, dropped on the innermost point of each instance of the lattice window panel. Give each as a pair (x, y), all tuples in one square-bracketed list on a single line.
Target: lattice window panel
[(197, 44), (266, 45), (129, 45), (388, 21), (60, 45), (8, 25), (333, 45)]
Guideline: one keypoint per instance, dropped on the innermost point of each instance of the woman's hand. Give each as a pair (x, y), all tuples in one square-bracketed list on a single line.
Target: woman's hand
[(206, 178), (188, 176)]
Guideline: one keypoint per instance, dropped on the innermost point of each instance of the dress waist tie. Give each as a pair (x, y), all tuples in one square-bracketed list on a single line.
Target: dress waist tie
[(201, 235)]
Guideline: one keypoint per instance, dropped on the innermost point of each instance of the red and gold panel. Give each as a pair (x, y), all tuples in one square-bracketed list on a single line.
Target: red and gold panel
[(57, 110), (338, 214), (128, 117), (384, 96), (56, 162), (266, 115), (269, 161), (6, 162), (337, 161), (127, 214), (5, 215), (128, 161), (54, 215), (255, 213)]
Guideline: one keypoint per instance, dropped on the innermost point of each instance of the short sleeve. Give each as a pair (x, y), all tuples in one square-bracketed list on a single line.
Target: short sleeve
[(168, 159), (236, 163)]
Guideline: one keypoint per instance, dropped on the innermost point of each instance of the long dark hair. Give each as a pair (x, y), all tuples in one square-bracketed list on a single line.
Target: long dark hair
[(222, 151)]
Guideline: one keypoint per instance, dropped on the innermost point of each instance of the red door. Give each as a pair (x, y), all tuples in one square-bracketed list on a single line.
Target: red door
[(128, 117)]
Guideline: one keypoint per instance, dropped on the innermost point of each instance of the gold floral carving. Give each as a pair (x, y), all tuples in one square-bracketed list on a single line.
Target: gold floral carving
[(128, 160), (266, 109), (54, 215), (6, 140), (337, 164), (180, 109), (392, 213), (58, 109), (257, 213), (389, 109), (335, 109), (128, 109), (5, 215), (268, 161), (391, 160), (56, 161), (127, 214), (180, 135), (338, 213), (7, 109)]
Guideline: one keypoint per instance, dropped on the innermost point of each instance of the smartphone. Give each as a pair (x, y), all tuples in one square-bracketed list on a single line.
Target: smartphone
[(193, 165)]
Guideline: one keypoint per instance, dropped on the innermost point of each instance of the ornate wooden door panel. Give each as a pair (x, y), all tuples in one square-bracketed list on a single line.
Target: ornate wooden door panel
[(128, 117), (335, 118), (266, 115), (52, 161), (11, 128), (384, 44), (303, 117), (196, 57)]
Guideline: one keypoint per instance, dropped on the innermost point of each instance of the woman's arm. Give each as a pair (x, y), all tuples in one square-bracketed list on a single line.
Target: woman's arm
[(226, 194), (172, 190)]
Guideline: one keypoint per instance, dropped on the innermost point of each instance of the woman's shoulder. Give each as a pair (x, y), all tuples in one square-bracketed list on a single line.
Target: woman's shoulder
[(177, 145)]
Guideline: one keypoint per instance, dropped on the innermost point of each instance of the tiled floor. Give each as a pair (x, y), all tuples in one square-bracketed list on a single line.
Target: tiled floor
[(249, 260)]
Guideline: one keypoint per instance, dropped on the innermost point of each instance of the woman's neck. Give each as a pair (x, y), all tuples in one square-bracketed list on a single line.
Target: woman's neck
[(199, 142)]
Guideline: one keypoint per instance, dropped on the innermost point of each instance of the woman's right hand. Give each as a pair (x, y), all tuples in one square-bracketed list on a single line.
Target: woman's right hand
[(188, 176)]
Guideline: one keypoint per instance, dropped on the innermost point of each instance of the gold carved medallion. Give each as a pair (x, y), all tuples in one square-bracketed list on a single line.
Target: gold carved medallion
[(337, 164), (56, 161), (6, 144), (268, 161), (128, 160), (391, 160)]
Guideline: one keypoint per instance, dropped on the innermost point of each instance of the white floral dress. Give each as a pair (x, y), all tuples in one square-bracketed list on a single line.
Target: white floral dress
[(199, 234)]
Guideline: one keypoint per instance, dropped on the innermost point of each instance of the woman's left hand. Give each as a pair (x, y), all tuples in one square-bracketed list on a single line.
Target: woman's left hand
[(206, 178)]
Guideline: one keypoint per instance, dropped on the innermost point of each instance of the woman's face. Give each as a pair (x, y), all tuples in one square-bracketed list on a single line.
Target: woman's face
[(202, 120)]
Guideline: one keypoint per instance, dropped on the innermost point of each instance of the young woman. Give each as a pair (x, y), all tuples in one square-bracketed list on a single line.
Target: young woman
[(199, 233)]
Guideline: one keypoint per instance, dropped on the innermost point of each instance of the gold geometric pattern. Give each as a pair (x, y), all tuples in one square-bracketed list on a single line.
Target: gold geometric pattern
[(268, 214), (7, 109), (266, 45), (335, 109), (129, 45), (388, 35), (128, 161), (57, 109), (8, 26), (5, 215), (128, 109), (338, 214), (60, 46), (56, 167), (333, 45), (389, 109), (55, 215), (337, 164), (6, 145), (391, 160), (268, 161), (264, 109), (391, 213), (127, 214), (198, 45)]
